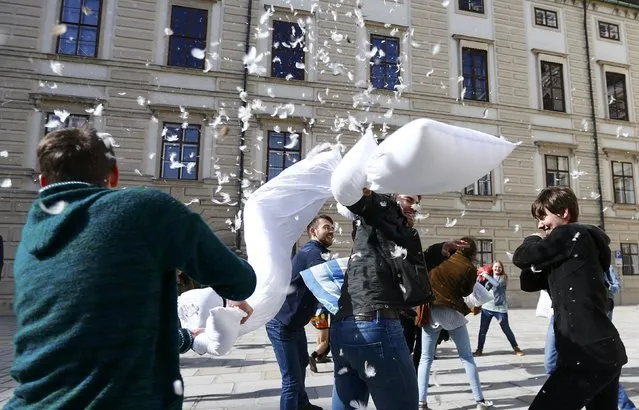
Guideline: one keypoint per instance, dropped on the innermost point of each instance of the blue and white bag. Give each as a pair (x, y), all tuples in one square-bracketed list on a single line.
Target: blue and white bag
[(325, 281)]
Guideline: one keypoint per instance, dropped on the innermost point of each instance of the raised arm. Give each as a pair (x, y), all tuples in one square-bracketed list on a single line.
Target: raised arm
[(184, 241), (538, 252), (533, 281)]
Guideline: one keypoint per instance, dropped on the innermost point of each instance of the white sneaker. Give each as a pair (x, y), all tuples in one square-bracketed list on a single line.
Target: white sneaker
[(483, 405)]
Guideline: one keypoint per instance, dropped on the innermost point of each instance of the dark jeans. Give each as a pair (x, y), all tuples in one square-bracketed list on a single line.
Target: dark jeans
[(502, 318), (291, 351), (372, 357), (567, 389)]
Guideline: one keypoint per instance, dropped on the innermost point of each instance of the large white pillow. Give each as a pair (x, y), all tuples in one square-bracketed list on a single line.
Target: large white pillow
[(349, 177), (275, 217), (429, 157)]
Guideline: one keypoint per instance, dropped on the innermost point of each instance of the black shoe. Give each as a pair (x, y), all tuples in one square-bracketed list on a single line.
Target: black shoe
[(323, 359), (310, 406), (312, 363)]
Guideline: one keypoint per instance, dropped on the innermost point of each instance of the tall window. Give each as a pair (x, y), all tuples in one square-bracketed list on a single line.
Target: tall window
[(485, 251), (630, 258), (82, 18), (617, 106), (180, 151), (483, 186), (284, 150), (385, 63), (557, 171), (546, 18), (623, 182), (476, 6), (55, 122), (609, 31), (287, 51), (552, 86), (189, 28), (475, 71)]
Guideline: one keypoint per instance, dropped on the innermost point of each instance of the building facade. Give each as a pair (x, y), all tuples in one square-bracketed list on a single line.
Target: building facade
[(167, 79)]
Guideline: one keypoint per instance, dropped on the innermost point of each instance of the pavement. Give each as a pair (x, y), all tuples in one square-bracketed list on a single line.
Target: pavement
[(249, 377)]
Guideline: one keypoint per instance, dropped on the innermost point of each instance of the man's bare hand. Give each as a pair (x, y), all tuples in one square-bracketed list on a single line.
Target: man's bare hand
[(243, 305), (449, 247)]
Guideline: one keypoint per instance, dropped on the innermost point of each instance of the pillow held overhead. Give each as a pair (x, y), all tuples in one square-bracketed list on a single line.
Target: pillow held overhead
[(429, 157)]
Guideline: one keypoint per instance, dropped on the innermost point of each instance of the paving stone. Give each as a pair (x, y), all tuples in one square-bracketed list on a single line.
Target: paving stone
[(249, 376)]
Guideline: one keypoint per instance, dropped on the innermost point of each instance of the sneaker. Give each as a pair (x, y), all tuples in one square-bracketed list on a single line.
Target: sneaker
[(323, 359), (485, 404), (518, 351), (312, 363), (310, 406), (478, 353), (423, 406)]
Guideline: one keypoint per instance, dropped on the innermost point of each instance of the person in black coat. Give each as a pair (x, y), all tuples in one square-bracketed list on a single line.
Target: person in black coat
[(569, 261)]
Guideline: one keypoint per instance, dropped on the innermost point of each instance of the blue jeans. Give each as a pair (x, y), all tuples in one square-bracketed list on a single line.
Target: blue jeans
[(550, 349), (372, 357), (502, 318), (550, 364), (462, 342), (290, 347)]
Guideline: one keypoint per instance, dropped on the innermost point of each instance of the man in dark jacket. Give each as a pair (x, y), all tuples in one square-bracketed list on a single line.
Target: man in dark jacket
[(570, 262), (286, 330), (387, 272)]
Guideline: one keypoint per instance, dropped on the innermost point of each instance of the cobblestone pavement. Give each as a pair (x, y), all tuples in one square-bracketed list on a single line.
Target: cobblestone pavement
[(249, 377)]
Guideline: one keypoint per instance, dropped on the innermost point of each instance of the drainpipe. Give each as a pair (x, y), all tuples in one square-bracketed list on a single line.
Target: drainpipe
[(240, 175), (593, 117)]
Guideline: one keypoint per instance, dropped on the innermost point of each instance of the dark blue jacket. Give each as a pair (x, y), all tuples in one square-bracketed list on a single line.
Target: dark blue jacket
[(300, 304)]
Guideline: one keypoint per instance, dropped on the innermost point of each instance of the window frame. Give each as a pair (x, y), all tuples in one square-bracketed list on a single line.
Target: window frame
[(632, 268), (546, 11), (182, 143), (474, 78), (385, 63), (98, 29), (175, 35), (274, 51), (548, 171), (283, 150), (601, 23), (553, 89), (48, 114), (475, 186), (624, 178), (617, 101), (481, 252), (467, 3)]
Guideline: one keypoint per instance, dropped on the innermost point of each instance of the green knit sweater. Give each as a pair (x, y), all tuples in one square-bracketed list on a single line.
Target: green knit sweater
[(96, 298)]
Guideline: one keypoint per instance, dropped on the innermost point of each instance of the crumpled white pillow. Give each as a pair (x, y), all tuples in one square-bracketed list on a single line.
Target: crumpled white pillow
[(194, 307), (349, 178), (430, 157), (222, 329)]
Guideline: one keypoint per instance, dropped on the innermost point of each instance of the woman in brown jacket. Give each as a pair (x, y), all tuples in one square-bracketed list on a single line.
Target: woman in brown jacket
[(451, 281)]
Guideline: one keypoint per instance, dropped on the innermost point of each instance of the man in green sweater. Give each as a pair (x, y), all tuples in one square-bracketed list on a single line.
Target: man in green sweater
[(95, 289)]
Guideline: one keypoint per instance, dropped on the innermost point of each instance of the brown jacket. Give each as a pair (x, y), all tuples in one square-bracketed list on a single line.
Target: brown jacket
[(452, 280)]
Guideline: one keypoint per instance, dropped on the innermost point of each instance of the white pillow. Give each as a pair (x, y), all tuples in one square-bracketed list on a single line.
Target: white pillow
[(222, 329), (349, 177), (194, 307), (429, 157), (544, 305), (275, 217)]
